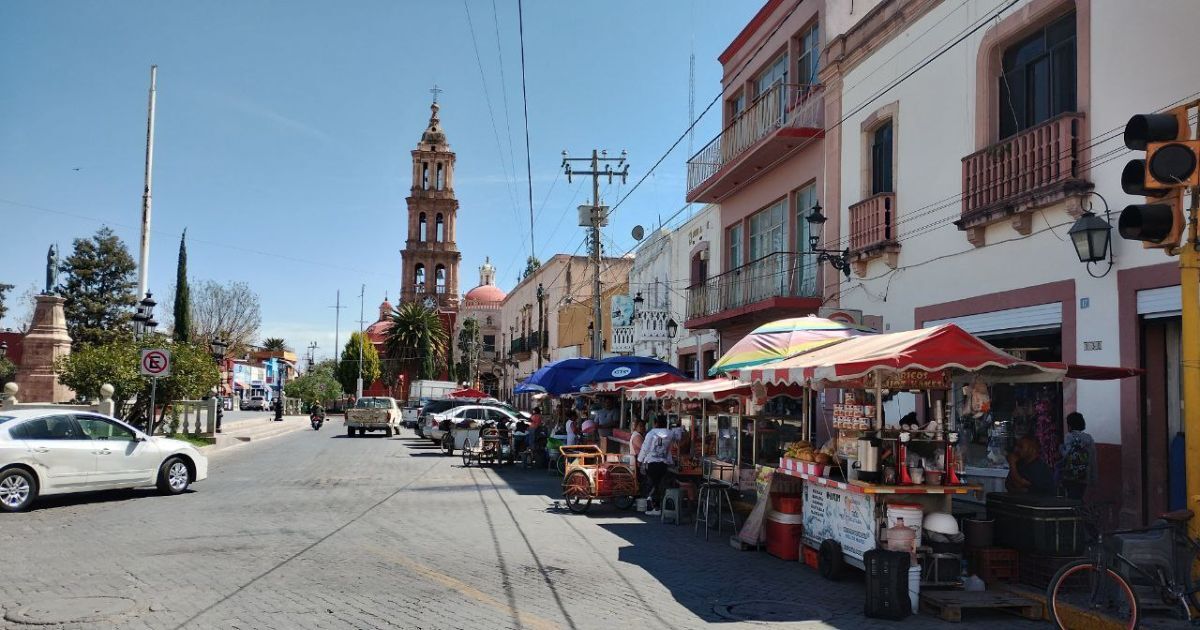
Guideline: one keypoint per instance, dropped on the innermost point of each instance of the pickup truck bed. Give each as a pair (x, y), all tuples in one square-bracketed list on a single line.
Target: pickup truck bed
[(384, 418)]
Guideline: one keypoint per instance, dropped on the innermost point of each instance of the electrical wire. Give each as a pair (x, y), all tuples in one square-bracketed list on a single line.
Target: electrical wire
[(525, 104)]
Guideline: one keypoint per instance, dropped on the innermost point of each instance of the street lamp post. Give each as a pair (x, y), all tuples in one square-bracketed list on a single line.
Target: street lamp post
[(218, 347), (541, 296), (672, 329), (839, 260)]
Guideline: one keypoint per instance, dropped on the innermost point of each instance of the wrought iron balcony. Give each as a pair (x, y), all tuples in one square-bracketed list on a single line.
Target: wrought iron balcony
[(519, 348), (781, 279), (1029, 170), (778, 121), (622, 338)]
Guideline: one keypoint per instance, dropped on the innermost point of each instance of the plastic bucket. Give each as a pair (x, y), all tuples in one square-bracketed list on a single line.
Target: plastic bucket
[(910, 513), (788, 503), (783, 534), (641, 505), (979, 532), (914, 586)]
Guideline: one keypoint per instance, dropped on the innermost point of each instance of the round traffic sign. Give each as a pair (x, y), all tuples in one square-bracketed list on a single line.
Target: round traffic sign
[(155, 362)]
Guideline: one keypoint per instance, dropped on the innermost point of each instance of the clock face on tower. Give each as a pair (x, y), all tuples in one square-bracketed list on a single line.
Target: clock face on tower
[(429, 303)]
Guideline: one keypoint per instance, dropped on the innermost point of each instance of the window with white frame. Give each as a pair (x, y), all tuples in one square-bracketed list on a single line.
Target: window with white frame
[(810, 55), (736, 258), (767, 230)]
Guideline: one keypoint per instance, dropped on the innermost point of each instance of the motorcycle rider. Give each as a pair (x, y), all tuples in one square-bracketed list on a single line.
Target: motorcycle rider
[(316, 413)]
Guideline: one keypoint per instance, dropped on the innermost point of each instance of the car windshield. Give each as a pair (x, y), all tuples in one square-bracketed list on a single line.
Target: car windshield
[(371, 403)]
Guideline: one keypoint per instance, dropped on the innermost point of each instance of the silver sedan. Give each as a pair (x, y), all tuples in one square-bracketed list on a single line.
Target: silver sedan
[(45, 452)]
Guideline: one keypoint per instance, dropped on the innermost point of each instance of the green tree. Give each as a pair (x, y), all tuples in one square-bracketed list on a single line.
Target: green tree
[(531, 265), (274, 344), (99, 279), (416, 341), (347, 372), (318, 384), (468, 349), (8, 371), (4, 289), (183, 296), (193, 374)]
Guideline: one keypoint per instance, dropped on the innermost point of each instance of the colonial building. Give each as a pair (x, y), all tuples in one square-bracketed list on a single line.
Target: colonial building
[(430, 255), (560, 324), (482, 357), (666, 263)]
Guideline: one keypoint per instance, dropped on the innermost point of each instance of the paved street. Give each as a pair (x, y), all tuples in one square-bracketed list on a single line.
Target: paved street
[(316, 530)]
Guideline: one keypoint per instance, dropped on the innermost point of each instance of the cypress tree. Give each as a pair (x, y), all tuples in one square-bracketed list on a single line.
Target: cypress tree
[(183, 295)]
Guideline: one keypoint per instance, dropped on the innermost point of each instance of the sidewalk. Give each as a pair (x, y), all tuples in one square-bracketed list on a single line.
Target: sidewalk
[(254, 426)]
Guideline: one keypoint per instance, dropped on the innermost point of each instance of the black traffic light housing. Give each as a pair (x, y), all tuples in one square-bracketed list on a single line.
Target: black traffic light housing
[(1169, 168)]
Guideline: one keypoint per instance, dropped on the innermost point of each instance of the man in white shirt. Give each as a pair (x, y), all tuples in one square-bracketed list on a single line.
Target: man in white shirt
[(655, 457)]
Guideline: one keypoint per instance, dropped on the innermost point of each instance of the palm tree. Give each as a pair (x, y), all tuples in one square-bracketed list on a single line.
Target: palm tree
[(274, 344), (416, 343)]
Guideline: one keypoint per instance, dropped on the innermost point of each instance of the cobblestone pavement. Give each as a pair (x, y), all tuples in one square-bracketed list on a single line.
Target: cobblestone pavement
[(317, 530)]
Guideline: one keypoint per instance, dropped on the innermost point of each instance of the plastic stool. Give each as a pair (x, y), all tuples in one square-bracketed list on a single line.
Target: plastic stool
[(670, 509), (709, 493)]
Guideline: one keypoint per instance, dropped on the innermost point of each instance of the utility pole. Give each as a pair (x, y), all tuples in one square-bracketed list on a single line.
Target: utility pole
[(144, 256), (361, 296), (312, 350), (337, 326), (594, 217), (1189, 282)]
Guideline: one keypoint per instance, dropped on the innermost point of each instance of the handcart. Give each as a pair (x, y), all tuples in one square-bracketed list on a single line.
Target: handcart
[(590, 475), (487, 448)]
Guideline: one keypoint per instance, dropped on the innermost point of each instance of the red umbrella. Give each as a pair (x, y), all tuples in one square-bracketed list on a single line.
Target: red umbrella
[(469, 392)]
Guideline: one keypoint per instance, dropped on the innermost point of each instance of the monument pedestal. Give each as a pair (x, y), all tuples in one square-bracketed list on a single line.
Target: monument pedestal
[(46, 341)]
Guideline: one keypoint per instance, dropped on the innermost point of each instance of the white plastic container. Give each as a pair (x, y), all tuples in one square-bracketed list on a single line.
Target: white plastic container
[(641, 505), (911, 515), (914, 586)]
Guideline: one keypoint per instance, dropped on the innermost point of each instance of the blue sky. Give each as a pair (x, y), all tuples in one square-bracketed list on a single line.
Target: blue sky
[(284, 131)]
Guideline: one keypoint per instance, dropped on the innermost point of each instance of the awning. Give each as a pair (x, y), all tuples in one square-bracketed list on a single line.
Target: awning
[(660, 378), (945, 347), (714, 390)]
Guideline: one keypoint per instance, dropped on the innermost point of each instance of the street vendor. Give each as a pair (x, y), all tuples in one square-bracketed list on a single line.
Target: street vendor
[(1027, 473), (607, 417), (636, 438)]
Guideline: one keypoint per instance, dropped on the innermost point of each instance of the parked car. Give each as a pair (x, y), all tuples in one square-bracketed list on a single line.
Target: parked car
[(46, 451), (373, 413), (438, 426), (256, 403), (427, 425), (410, 414)]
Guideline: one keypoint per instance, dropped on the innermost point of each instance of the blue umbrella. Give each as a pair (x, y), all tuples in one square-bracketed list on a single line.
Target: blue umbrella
[(554, 378), (621, 368)]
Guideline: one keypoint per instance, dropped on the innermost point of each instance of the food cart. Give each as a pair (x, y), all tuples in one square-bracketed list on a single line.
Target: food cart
[(854, 503), (591, 475)]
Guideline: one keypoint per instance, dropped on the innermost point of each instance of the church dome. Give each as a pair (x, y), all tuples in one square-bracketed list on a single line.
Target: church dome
[(485, 293)]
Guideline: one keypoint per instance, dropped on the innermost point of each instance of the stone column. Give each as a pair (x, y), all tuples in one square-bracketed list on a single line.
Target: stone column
[(46, 341)]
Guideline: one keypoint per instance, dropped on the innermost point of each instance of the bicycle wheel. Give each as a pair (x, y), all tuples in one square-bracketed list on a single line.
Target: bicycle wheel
[(1083, 595)]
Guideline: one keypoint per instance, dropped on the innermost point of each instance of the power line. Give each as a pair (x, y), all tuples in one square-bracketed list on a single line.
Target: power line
[(487, 97), (504, 87), (525, 104)]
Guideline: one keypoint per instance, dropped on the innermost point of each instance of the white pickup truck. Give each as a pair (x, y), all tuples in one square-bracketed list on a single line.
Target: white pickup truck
[(373, 414)]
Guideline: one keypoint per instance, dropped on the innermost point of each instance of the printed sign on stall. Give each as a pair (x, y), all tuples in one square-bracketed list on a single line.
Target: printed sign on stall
[(846, 517)]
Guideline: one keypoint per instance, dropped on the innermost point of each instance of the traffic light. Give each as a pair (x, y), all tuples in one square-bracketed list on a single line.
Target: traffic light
[(1170, 167)]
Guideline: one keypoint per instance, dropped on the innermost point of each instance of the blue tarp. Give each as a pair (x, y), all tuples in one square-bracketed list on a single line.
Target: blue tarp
[(621, 368), (554, 378)]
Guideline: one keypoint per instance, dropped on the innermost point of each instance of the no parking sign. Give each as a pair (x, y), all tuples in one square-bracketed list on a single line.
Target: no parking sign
[(156, 362)]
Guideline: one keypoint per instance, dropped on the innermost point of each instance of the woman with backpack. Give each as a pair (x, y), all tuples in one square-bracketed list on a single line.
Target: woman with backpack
[(1078, 465)]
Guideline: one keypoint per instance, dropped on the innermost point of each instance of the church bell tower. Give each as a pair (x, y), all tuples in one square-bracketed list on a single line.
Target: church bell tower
[(430, 256)]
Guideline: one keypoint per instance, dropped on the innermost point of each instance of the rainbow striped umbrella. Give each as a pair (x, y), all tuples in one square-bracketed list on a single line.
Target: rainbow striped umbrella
[(784, 338)]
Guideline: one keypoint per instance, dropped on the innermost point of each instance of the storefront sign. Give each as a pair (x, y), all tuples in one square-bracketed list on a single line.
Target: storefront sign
[(846, 517), (900, 381)]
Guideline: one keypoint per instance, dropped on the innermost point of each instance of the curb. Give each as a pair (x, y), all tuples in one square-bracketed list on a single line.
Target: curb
[(256, 433)]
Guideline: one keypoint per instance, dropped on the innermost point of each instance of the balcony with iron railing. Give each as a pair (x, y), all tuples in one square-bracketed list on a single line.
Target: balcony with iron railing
[(873, 230), (782, 119), (1032, 169), (519, 348), (782, 280), (622, 339)]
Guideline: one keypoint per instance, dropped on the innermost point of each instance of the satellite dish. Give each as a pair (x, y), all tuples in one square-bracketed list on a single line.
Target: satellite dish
[(639, 232)]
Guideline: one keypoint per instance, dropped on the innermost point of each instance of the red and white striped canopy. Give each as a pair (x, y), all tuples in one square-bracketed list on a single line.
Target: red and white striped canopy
[(945, 347), (714, 390), (646, 380)]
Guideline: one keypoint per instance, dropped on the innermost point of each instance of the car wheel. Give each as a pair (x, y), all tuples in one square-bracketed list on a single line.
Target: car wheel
[(174, 476), (18, 489)]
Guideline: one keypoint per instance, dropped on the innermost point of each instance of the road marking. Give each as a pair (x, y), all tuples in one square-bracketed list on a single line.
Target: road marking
[(527, 620)]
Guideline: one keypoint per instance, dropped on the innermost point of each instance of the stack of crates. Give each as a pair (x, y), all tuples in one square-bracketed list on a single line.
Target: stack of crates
[(994, 564)]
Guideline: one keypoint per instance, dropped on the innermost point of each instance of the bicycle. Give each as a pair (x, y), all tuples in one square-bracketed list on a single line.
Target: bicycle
[(1103, 586)]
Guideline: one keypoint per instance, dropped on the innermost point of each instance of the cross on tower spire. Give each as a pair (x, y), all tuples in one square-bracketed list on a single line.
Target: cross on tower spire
[(435, 90)]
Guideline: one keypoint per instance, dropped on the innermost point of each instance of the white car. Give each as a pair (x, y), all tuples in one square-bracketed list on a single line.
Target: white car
[(440, 424), (45, 452)]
